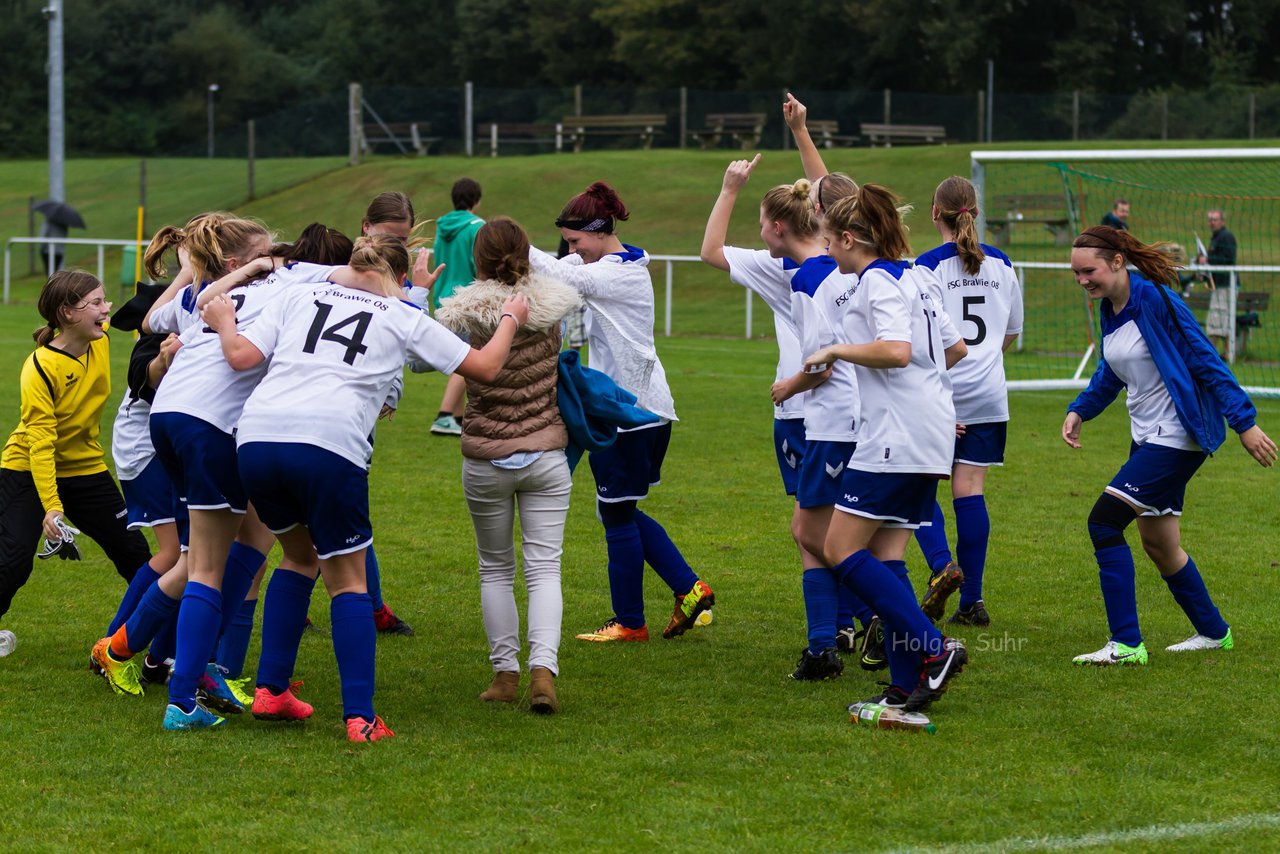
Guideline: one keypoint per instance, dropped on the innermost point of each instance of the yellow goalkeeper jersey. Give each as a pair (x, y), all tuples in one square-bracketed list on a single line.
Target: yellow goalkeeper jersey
[(62, 398)]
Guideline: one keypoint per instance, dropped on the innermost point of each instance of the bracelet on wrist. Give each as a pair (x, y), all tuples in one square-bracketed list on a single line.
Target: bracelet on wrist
[(510, 315)]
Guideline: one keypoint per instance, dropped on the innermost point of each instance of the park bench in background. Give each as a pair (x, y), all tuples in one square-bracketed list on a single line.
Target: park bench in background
[(888, 135), (745, 128), (1047, 209), (646, 127), (405, 136), (518, 133), (826, 133), (1249, 308)]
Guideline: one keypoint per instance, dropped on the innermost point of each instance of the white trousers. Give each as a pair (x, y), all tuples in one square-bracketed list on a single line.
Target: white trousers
[(540, 493)]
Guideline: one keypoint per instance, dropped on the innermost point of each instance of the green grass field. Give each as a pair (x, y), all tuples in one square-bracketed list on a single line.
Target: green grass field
[(701, 743)]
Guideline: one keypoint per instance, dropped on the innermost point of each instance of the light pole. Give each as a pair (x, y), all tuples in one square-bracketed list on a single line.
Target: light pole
[(213, 88)]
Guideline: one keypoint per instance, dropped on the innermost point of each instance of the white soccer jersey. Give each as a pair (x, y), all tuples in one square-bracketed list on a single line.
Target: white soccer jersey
[(619, 293), (985, 306), (1152, 415), (819, 292), (199, 382), (334, 353), (770, 278), (131, 447), (908, 420)]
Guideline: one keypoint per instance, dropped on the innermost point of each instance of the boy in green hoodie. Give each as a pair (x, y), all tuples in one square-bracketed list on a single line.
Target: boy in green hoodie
[(454, 245)]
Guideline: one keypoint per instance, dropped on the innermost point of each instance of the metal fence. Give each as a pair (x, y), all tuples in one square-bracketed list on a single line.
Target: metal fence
[(456, 117)]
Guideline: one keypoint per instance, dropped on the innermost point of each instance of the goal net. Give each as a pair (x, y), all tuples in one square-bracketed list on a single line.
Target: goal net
[(1033, 203)]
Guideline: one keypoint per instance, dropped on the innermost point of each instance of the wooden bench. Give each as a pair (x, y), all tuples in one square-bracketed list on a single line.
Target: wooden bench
[(1249, 308), (745, 128), (519, 133), (826, 133), (646, 127), (403, 135), (887, 135), (1046, 209)]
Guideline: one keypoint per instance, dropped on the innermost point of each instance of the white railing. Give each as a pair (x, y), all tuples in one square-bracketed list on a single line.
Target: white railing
[(101, 242), (669, 262)]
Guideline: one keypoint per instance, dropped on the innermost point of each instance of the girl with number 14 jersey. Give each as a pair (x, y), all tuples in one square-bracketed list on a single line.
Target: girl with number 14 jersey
[(303, 445)]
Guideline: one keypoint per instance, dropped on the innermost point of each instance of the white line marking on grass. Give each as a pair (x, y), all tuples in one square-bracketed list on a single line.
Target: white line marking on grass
[(1152, 833)]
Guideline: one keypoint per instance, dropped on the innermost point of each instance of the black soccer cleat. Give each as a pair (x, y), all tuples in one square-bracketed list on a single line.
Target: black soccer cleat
[(848, 638), (936, 674), (891, 697), (873, 656), (815, 668), (974, 615), (942, 584)]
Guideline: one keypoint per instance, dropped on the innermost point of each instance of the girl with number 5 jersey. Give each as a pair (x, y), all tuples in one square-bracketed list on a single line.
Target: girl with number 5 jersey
[(303, 448), (982, 295)]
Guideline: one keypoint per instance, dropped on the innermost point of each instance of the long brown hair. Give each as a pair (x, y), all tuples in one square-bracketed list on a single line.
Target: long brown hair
[(873, 215), (502, 251), (1152, 259), (957, 204), (390, 206), (318, 244), (64, 288)]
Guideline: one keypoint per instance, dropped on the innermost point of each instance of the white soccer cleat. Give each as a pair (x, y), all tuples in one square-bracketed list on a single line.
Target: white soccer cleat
[(1197, 642), (1114, 653)]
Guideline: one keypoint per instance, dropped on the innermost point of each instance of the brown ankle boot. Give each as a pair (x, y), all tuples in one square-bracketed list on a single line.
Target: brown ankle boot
[(542, 692), (503, 688)]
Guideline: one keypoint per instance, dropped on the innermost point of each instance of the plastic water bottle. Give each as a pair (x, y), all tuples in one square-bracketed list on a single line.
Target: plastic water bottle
[(7, 642), (884, 717)]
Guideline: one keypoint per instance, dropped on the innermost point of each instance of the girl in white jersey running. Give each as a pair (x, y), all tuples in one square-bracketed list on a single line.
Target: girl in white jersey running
[(901, 345), (335, 348), (982, 295), (799, 281), (613, 279)]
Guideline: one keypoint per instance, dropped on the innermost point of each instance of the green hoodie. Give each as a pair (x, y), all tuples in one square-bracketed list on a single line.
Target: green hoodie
[(455, 239)]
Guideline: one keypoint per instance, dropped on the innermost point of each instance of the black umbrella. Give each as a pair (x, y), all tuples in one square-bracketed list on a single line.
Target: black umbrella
[(60, 213)]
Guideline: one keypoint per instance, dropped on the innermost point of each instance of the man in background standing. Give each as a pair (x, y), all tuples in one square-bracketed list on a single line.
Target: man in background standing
[(1219, 323), (1118, 216)]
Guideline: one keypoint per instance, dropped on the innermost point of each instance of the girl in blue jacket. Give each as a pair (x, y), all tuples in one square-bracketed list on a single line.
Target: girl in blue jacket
[(1178, 393)]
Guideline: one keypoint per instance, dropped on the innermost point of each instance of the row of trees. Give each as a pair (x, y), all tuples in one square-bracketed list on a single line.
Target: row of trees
[(137, 71)]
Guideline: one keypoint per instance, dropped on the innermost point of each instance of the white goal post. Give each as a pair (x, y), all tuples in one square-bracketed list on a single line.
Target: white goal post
[(1031, 204)]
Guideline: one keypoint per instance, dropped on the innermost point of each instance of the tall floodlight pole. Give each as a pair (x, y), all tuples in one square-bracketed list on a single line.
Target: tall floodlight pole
[(57, 114), (213, 88)]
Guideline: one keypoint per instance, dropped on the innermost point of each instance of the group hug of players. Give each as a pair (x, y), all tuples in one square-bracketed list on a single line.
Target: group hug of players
[(262, 370)]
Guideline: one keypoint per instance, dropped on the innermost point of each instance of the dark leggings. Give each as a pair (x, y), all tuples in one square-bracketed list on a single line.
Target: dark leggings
[(92, 503)]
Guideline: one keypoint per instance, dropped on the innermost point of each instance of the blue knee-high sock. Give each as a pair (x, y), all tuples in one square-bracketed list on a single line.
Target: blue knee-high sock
[(1189, 591), (881, 588), (973, 531), (166, 642), (626, 574), (354, 638), (663, 555), (851, 608), (1115, 574), (199, 617), (821, 602), (284, 618), (235, 639), (933, 541), (142, 579), (373, 578), (150, 618), (243, 563), (904, 657)]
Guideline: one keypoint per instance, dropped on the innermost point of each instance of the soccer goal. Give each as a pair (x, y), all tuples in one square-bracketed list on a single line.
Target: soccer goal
[(1033, 203)]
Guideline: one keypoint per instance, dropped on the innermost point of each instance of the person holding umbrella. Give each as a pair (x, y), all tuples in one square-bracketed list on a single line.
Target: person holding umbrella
[(58, 217)]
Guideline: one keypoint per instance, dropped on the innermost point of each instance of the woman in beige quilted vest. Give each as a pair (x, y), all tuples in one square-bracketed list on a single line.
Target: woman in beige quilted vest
[(513, 442)]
